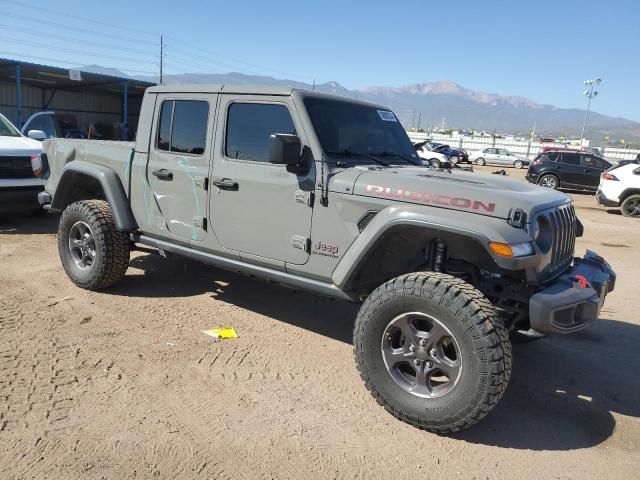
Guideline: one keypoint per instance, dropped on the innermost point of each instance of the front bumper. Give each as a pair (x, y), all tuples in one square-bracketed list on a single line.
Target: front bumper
[(16, 199), (575, 298)]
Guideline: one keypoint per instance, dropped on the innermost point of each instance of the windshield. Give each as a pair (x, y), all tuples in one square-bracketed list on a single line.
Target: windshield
[(358, 132), (6, 129)]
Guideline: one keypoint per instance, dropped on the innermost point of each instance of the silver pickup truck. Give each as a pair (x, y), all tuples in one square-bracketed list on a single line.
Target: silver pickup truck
[(328, 194)]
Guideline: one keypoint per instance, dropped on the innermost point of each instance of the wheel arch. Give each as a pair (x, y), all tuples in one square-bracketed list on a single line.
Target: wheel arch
[(628, 192), (86, 181), (401, 240)]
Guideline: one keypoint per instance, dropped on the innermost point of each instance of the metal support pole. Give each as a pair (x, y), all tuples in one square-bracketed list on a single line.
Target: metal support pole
[(586, 118), (18, 98), (125, 110)]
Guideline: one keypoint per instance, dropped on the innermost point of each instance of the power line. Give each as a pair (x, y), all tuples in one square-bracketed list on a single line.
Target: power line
[(65, 62), (78, 17), (75, 28), (81, 52), (70, 39)]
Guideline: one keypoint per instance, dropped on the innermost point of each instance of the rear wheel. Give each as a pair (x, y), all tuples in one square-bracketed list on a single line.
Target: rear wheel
[(93, 252), (435, 162), (480, 161), (518, 164), (549, 181), (631, 206), (432, 351)]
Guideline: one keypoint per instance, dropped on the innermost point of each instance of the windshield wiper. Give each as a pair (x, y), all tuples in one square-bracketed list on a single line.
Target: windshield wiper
[(353, 153), (399, 155)]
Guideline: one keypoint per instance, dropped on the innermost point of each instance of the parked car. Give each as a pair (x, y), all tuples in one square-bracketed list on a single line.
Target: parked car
[(620, 187), (19, 187), (567, 169), (53, 124), (289, 187), (430, 156), (457, 155), (499, 156)]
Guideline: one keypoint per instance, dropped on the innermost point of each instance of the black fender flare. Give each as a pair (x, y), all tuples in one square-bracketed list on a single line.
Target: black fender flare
[(111, 185)]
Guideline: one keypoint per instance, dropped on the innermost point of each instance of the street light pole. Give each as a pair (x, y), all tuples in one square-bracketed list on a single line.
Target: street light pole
[(590, 92)]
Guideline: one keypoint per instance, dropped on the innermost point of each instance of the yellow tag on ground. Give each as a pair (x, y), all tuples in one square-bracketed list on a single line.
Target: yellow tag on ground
[(223, 332)]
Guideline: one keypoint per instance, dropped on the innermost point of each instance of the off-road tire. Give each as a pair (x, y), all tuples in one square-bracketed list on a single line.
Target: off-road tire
[(471, 318), (630, 206), (112, 247), (480, 161)]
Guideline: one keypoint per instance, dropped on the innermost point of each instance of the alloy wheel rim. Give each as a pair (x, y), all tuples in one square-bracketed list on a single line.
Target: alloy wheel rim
[(548, 182), (633, 208), (82, 245), (421, 355)]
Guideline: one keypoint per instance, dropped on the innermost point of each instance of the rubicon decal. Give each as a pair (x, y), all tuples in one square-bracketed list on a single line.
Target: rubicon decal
[(437, 199)]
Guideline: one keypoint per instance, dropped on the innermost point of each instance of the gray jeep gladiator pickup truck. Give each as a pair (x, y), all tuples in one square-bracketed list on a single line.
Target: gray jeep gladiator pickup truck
[(327, 194)]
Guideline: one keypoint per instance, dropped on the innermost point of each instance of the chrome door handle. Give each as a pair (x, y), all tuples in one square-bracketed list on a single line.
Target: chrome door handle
[(226, 184), (163, 174)]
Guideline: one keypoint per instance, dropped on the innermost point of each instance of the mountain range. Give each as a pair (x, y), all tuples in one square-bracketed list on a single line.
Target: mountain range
[(430, 102)]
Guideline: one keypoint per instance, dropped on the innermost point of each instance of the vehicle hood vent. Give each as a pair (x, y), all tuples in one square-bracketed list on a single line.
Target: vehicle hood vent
[(366, 219)]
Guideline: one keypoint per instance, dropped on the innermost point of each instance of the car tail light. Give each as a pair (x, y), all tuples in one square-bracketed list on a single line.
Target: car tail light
[(609, 176)]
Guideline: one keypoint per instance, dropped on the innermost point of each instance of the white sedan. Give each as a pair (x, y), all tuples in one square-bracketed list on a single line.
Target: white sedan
[(498, 156)]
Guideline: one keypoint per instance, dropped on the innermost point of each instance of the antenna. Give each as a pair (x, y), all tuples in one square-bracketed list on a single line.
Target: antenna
[(161, 57)]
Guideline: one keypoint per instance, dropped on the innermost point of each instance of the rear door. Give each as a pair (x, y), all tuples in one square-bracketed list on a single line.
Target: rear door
[(175, 193), (259, 209)]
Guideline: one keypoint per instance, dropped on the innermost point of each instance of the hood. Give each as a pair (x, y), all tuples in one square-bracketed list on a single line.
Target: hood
[(16, 146), (492, 195)]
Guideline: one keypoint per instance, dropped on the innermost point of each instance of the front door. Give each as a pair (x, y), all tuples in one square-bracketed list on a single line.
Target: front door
[(257, 208), (569, 169), (175, 191)]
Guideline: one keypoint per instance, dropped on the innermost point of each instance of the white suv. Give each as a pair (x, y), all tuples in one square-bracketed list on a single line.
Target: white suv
[(620, 187)]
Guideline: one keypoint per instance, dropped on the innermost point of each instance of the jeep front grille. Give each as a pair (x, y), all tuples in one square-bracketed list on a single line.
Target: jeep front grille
[(563, 222), (15, 167)]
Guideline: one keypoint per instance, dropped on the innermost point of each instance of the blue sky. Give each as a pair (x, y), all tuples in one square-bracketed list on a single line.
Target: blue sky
[(542, 50)]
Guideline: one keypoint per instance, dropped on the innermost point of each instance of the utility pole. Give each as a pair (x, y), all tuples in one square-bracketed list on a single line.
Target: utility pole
[(161, 57), (419, 118), (314, 84), (413, 120), (590, 92)]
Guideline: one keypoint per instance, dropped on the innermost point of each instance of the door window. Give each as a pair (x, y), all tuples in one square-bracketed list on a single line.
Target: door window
[(593, 162), (44, 123), (183, 126), (571, 158), (249, 126)]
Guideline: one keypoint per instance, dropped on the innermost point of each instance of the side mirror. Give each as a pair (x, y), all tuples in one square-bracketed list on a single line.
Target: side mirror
[(37, 135), (284, 149)]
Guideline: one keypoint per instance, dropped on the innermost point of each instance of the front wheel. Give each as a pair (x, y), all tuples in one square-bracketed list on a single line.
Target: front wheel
[(93, 252), (455, 159), (631, 206), (480, 161), (432, 350)]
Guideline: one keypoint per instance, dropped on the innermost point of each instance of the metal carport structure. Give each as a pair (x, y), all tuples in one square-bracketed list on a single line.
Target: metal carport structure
[(27, 88)]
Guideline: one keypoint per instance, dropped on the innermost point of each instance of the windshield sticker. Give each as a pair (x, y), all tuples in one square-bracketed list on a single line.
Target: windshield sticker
[(387, 116)]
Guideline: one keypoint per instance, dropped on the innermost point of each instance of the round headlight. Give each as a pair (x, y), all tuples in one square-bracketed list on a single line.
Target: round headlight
[(542, 233)]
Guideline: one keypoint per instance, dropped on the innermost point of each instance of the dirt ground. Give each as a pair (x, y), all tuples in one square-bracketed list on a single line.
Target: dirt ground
[(123, 384)]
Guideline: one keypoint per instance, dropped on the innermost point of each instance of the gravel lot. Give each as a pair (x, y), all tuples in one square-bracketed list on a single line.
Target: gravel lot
[(123, 384)]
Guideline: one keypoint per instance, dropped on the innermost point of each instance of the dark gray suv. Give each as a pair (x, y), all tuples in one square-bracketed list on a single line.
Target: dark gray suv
[(566, 169)]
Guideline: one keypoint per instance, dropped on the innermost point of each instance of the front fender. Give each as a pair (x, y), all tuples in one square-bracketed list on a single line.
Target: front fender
[(478, 228), (114, 192)]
